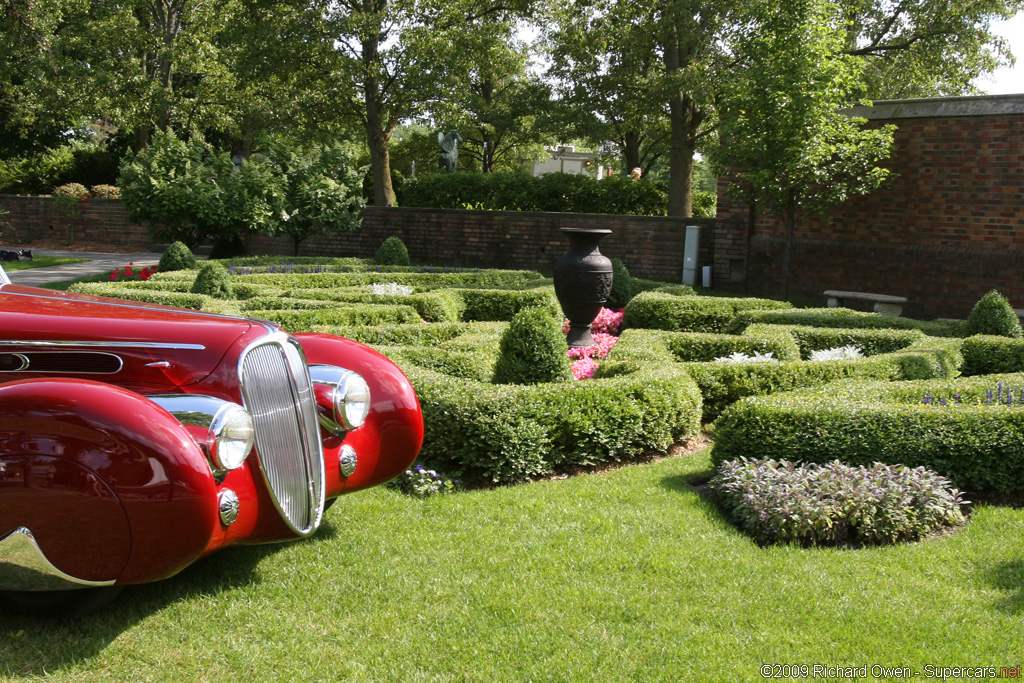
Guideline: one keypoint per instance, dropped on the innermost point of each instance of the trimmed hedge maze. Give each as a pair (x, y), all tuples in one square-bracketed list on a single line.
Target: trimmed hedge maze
[(665, 376)]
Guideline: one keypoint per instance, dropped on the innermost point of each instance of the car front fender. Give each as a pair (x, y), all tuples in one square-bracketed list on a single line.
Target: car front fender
[(390, 439), (110, 485)]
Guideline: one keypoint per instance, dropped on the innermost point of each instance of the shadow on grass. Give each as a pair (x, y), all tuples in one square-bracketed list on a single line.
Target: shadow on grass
[(33, 646), (695, 483), (1008, 577)]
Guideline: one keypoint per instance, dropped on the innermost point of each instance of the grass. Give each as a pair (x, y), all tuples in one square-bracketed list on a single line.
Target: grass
[(41, 262), (626, 575)]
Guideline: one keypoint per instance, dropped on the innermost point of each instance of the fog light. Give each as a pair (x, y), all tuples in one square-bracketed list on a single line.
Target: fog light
[(347, 460), (227, 502)]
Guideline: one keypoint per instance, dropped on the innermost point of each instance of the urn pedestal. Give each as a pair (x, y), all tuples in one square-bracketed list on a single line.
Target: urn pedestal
[(583, 282)]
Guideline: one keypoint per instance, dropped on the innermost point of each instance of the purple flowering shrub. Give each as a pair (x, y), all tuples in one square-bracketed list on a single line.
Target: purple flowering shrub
[(420, 482), (833, 503)]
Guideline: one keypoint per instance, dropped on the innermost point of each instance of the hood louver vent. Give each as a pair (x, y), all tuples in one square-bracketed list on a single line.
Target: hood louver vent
[(69, 362)]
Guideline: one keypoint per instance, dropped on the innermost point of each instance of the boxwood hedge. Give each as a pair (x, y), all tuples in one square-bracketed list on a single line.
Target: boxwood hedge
[(722, 383), (664, 311), (843, 318), (976, 445), (990, 354), (507, 433)]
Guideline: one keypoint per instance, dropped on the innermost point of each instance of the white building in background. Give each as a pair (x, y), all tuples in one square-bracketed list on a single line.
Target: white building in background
[(565, 159)]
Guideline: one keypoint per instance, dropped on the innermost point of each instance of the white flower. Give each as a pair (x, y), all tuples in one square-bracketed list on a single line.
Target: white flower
[(838, 353), (391, 289), (740, 357)]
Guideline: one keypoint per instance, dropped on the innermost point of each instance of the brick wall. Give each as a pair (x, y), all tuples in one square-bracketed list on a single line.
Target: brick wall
[(98, 221), (946, 229)]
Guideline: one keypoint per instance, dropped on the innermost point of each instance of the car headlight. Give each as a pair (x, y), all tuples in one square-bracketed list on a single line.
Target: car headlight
[(230, 437), (352, 400), (348, 395)]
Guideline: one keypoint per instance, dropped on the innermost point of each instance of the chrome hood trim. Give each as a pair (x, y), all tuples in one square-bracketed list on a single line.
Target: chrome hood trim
[(24, 567)]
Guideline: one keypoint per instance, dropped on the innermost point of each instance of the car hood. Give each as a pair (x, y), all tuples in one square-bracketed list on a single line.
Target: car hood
[(129, 342)]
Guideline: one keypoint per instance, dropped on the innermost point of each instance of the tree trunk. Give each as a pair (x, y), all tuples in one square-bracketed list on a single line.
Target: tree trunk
[(787, 250), (631, 149), (685, 120), (378, 130)]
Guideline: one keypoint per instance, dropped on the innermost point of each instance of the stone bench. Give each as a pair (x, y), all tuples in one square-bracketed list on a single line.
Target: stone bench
[(884, 304)]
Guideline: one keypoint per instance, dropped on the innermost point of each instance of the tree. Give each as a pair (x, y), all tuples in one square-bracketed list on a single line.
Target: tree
[(605, 68), (403, 55), (498, 107), (321, 190), (644, 62), (925, 48), (784, 139), (186, 191)]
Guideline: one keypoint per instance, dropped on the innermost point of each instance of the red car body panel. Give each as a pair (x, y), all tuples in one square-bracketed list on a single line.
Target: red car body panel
[(113, 487)]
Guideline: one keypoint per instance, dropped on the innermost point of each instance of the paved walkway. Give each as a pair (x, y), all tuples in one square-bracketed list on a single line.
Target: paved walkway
[(99, 262)]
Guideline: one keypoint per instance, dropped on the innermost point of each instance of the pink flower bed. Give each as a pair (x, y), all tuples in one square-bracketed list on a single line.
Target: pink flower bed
[(604, 329)]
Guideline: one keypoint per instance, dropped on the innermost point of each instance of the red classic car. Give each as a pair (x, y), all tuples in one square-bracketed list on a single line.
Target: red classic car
[(135, 439)]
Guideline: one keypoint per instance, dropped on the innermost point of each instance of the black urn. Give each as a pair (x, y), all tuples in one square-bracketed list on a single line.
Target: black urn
[(583, 281)]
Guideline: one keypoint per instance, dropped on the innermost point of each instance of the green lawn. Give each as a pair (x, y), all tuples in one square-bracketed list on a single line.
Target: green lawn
[(41, 262), (626, 575)]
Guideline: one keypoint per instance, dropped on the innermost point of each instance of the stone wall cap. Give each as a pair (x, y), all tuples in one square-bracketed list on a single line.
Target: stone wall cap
[(941, 107)]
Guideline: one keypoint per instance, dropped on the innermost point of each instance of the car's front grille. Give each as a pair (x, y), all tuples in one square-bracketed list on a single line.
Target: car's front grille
[(277, 392)]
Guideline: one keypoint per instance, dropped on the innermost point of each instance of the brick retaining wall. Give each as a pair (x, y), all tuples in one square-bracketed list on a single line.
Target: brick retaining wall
[(650, 247), (99, 221)]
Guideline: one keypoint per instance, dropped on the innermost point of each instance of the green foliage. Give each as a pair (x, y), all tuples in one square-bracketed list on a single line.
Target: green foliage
[(392, 252), (664, 311), (71, 191), (508, 433), (105, 191), (522, 192), (622, 286), (308, 319), (842, 318), (992, 354), (39, 171), (723, 383), (172, 186), (976, 446), (993, 314), (213, 280), (705, 204), (420, 482), (833, 503), (177, 256), (532, 350), (789, 146), (504, 304), (145, 292), (320, 191)]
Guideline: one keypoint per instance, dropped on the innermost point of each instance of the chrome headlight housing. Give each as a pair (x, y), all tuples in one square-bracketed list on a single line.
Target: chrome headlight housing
[(230, 433), (348, 395)]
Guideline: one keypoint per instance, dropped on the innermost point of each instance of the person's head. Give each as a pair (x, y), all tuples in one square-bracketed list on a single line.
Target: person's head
[(636, 173)]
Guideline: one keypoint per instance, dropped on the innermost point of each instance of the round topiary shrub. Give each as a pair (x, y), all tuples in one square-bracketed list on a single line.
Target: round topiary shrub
[(622, 286), (994, 315), (176, 257), (105, 191), (532, 350), (71, 190), (392, 253), (213, 280)]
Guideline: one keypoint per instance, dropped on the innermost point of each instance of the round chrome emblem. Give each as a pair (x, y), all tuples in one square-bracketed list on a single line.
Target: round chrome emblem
[(227, 501), (347, 460)]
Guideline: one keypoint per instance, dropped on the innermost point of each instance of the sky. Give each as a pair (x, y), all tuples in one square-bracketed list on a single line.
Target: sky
[(1008, 81)]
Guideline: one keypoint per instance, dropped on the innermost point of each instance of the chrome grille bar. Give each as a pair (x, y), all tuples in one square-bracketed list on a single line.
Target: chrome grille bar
[(278, 394)]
